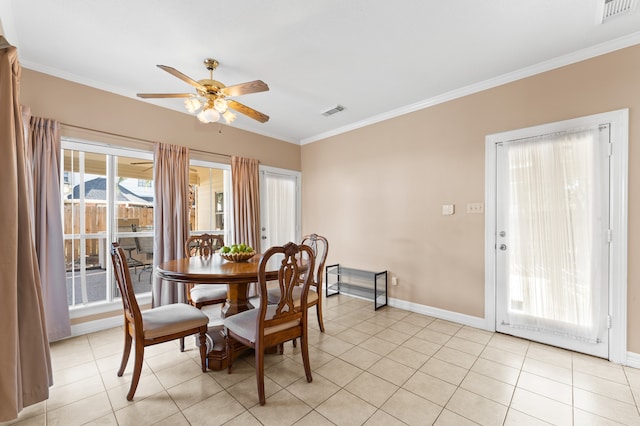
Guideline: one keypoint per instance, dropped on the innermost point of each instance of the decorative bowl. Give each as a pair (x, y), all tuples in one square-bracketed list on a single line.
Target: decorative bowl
[(238, 257)]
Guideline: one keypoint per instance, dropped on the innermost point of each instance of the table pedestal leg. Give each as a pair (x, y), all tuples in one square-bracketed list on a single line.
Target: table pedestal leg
[(236, 300)]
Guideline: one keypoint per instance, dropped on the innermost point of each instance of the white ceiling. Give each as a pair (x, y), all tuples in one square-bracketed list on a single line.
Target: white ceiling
[(377, 58)]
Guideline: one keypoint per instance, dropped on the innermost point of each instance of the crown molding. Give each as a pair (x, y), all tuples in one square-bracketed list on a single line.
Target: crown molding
[(561, 61)]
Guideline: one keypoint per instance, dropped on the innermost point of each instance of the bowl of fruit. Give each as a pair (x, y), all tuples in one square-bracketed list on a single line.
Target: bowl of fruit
[(237, 252)]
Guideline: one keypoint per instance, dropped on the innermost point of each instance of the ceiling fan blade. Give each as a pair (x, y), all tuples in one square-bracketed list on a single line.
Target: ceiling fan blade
[(164, 95), (182, 77), (250, 112), (245, 88)]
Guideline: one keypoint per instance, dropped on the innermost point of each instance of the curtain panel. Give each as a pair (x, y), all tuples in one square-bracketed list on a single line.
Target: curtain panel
[(171, 217), (43, 148), (24, 352), (245, 178)]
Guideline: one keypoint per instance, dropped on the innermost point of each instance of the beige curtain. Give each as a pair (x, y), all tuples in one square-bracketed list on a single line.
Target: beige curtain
[(24, 353), (43, 151), (245, 178), (171, 216)]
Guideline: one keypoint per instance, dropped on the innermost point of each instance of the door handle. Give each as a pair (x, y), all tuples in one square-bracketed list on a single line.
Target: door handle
[(264, 238), (503, 247)]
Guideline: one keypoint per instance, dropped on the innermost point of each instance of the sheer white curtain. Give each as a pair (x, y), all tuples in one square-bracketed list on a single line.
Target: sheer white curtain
[(556, 231), (281, 208)]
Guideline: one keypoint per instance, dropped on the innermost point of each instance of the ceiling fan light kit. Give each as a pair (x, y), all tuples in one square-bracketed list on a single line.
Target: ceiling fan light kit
[(210, 103)]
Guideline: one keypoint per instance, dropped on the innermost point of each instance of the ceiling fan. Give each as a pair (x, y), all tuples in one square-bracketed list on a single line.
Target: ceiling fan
[(210, 100)]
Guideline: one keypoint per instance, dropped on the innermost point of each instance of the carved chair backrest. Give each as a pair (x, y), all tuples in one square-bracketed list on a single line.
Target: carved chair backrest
[(202, 245)]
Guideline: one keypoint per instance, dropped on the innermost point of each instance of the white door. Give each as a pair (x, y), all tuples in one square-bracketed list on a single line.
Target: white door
[(279, 207), (552, 242)]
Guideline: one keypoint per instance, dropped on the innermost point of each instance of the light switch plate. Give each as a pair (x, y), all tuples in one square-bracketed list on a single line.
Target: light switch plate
[(448, 209)]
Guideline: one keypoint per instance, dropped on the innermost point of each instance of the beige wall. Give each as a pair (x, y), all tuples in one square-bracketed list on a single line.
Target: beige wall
[(377, 192), (78, 105), (85, 107)]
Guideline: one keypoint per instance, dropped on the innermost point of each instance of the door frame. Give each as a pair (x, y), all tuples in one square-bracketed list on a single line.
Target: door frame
[(284, 172), (618, 201)]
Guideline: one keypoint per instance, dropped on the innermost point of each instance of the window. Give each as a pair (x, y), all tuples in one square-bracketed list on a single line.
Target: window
[(210, 188), (103, 202)]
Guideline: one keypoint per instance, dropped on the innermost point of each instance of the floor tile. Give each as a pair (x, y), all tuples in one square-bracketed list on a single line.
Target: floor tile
[(392, 371), (456, 357), (80, 412), (445, 371), (344, 408), (384, 367), (380, 418), (606, 407), (408, 357), (281, 408), (603, 387), (430, 388), (550, 371), (492, 389), (371, 388), (360, 357), (314, 393), (217, 409), (477, 408), (449, 418), (339, 372), (546, 387), (542, 408), (411, 409)]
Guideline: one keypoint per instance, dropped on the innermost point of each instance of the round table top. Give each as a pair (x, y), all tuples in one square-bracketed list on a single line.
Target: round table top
[(212, 269)]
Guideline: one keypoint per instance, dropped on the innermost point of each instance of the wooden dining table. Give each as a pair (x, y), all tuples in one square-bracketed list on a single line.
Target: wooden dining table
[(216, 270)]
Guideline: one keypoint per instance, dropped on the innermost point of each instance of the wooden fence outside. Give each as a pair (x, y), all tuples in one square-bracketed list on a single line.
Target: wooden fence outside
[(96, 223)]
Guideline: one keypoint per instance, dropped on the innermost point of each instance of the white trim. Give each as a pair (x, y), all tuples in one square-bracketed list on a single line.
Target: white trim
[(443, 314), (98, 308), (633, 360), (619, 120), (580, 55), (97, 325)]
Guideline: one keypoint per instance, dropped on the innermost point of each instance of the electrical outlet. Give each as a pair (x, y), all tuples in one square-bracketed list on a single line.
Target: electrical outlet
[(477, 208), (394, 280)]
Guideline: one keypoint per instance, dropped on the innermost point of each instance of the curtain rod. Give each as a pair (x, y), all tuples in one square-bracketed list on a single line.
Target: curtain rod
[(139, 139)]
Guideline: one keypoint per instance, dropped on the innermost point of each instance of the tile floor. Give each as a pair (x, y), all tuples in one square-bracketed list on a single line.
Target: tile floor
[(389, 367)]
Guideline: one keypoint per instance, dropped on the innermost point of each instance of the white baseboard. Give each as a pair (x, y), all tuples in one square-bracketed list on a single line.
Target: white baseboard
[(97, 325), (464, 319), (633, 360)]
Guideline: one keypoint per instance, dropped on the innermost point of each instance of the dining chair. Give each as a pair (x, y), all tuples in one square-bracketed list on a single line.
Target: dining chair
[(320, 247), (155, 325), (270, 325), (199, 295)]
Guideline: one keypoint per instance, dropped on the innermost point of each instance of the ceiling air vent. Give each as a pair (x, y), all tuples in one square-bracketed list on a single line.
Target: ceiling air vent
[(614, 8), (333, 110)]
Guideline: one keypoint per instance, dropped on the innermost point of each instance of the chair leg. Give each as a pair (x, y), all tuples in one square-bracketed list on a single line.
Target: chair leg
[(125, 352), (137, 369), (305, 356), (259, 353), (203, 349), (319, 313), (182, 344)]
